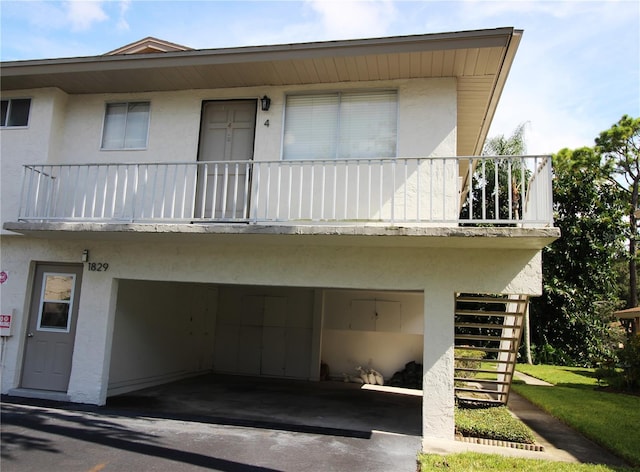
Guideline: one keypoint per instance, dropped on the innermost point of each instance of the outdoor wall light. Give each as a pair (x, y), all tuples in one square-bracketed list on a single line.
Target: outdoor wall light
[(265, 103), (85, 255)]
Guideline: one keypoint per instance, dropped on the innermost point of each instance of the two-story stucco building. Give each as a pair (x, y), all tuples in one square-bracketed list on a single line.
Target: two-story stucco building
[(257, 210)]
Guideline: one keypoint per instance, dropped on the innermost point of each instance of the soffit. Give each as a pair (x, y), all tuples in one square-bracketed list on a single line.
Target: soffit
[(480, 60)]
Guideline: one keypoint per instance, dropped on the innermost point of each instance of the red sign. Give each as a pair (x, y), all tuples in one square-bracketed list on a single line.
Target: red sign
[(5, 321), (3, 277)]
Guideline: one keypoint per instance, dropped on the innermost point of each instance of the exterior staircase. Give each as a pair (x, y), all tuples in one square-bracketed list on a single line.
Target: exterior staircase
[(488, 329)]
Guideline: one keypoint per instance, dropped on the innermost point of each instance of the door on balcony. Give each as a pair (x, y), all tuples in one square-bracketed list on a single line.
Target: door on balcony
[(52, 327), (226, 149)]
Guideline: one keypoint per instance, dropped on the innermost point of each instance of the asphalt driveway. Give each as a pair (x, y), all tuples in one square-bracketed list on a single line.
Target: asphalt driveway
[(71, 438)]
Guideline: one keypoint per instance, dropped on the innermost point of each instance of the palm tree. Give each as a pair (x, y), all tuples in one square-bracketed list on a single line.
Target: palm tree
[(513, 145)]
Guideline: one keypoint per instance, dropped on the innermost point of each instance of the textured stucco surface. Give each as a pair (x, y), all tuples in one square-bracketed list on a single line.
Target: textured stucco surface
[(438, 272), (68, 128)]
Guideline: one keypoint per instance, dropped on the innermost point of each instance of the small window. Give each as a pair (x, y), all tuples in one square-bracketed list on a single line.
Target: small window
[(15, 112), (126, 125)]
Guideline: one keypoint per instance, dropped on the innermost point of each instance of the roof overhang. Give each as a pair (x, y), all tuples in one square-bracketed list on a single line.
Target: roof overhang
[(480, 61), (629, 313)]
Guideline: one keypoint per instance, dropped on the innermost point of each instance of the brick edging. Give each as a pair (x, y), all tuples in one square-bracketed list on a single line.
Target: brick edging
[(495, 442)]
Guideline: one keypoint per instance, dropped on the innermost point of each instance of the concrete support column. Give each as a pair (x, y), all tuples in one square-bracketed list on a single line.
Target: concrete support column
[(438, 398), (92, 352)]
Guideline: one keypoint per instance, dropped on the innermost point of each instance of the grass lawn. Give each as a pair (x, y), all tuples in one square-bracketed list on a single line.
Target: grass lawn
[(491, 462), (610, 419)]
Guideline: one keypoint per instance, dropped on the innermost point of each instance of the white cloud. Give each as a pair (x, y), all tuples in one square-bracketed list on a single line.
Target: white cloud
[(492, 8), (82, 14), (123, 24), (354, 19), (570, 81)]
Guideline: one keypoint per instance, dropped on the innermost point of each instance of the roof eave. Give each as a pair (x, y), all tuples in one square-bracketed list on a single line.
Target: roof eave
[(248, 54)]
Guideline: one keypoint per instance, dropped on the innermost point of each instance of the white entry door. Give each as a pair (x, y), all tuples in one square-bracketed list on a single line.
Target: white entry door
[(52, 327), (226, 145)]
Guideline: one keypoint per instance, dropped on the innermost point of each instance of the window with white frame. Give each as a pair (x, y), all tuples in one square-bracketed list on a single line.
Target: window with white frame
[(126, 125), (344, 125), (15, 112)]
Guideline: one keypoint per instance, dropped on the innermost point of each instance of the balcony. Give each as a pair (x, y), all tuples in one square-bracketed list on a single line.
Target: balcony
[(438, 191)]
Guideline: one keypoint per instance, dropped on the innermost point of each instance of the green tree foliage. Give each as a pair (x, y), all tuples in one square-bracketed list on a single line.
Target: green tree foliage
[(571, 320), (495, 183), (514, 145), (620, 150)]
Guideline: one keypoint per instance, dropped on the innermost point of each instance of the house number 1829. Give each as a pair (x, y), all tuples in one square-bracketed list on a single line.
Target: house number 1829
[(97, 266)]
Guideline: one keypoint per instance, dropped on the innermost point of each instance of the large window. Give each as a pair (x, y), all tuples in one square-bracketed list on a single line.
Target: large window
[(15, 112), (341, 125), (126, 125)]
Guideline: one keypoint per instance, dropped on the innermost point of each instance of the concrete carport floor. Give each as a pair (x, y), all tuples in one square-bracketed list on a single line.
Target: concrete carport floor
[(326, 407), (348, 410)]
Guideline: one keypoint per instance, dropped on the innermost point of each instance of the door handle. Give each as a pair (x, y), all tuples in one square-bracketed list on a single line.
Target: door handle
[(30, 335)]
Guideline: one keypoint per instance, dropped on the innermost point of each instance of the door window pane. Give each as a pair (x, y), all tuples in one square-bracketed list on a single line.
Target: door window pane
[(54, 315), (58, 287), (56, 301)]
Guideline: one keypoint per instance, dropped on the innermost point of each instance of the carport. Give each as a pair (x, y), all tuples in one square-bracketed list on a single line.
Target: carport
[(233, 353)]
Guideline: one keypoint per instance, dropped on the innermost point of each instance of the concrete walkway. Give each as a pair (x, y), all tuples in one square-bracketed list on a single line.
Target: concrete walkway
[(560, 442)]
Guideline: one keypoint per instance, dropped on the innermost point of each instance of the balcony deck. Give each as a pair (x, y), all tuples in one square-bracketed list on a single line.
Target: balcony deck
[(356, 197)]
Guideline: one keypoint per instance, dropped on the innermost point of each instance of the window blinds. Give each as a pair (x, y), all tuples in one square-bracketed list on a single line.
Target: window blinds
[(126, 125), (341, 126)]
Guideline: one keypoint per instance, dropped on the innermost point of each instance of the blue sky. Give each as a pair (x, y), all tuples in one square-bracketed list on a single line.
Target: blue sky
[(576, 73)]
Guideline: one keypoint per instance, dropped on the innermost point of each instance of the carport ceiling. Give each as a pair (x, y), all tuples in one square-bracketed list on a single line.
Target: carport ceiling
[(480, 60)]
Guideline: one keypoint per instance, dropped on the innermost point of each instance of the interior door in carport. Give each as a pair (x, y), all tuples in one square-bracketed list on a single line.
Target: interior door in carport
[(226, 135), (260, 337), (263, 331)]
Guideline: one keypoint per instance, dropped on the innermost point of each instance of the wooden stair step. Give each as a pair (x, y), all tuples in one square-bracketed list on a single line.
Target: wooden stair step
[(485, 299), (480, 381), (488, 313), (481, 337), (485, 349), (481, 400), (484, 371), (479, 390), (482, 325)]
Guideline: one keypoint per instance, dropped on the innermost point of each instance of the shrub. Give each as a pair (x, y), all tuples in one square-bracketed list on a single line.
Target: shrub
[(492, 423), (625, 373), (473, 361)]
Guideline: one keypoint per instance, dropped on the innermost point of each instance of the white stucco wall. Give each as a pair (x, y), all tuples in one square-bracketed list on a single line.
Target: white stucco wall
[(162, 331), (426, 115), (68, 129), (39, 142), (380, 330), (249, 262)]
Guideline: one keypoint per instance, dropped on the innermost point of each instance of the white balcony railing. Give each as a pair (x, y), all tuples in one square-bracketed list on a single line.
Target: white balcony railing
[(389, 191)]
